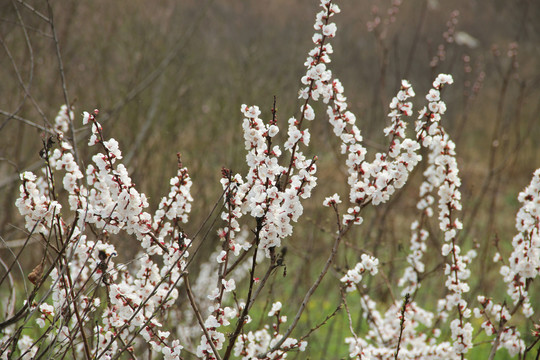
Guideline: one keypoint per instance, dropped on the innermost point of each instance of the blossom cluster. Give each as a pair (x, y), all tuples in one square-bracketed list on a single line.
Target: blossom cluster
[(425, 128), (369, 182), (524, 263), (252, 344), (35, 204), (496, 317), (270, 192), (317, 76), (353, 276), (211, 291), (409, 282), (384, 333), (520, 270), (374, 182), (430, 134), (113, 202), (107, 201), (442, 174)]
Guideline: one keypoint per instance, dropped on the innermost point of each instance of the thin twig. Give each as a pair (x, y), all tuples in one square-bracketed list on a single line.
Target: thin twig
[(27, 122), (328, 317), (43, 17), (199, 317), (64, 82), (349, 317), (241, 320), (402, 323), (310, 292)]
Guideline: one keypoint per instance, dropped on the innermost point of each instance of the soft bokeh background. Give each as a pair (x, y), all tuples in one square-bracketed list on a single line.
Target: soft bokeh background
[(170, 76)]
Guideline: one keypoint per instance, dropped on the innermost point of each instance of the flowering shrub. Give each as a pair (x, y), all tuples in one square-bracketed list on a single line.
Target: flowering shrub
[(86, 301)]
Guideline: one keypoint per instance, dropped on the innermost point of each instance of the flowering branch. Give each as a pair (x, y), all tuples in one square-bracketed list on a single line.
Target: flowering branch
[(401, 323), (103, 305), (199, 317)]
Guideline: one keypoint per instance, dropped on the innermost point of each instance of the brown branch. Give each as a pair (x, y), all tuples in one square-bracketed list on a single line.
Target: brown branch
[(40, 15), (341, 234), (402, 323), (328, 317), (64, 82), (27, 122), (241, 320), (199, 317), (349, 317)]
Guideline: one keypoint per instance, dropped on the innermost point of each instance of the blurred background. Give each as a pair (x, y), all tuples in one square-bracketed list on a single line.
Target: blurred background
[(170, 77)]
